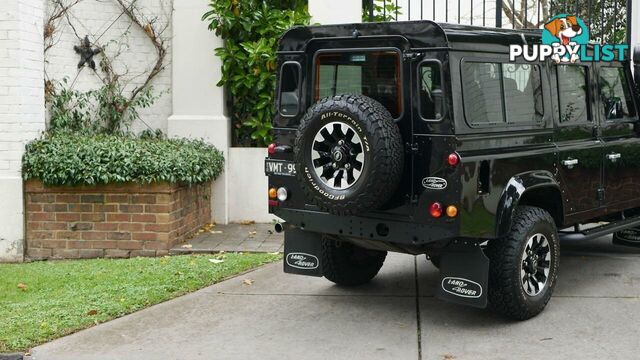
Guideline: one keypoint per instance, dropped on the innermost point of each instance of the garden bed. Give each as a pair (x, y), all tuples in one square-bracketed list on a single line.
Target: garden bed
[(97, 195)]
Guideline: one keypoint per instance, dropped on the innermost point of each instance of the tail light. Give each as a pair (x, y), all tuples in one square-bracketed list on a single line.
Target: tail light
[(453, 159), (282, 194), (271, 149), (435, 210), (452, 211)]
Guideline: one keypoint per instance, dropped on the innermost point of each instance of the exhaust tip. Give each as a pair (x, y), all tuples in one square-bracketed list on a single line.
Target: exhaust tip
[(279, 227)]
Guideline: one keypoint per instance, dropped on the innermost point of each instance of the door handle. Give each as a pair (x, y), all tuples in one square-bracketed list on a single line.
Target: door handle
[(570, 163), (614, 157)]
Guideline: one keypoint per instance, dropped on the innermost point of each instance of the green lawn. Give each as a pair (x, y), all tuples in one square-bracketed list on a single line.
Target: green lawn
[(44, 300)]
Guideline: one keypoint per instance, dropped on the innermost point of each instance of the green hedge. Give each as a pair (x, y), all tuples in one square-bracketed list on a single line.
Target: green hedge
[(73, 159)]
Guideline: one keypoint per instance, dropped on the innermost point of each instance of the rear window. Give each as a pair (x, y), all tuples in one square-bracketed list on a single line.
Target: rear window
[(374, 74)]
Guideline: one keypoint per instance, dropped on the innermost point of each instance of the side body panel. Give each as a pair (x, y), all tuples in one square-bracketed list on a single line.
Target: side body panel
[(498, 164)]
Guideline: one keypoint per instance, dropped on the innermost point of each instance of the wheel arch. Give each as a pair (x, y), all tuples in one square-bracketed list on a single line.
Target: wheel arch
[(536, 188)]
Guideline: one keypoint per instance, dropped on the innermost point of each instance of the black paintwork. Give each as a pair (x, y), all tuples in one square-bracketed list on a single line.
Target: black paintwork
[(501, 167)]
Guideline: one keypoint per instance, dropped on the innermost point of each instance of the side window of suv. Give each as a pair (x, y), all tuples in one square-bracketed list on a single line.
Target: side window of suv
[(615, 95), (522, 93), (289, 89), (573, 93), (495, 93), (431, 95), (482, 93)]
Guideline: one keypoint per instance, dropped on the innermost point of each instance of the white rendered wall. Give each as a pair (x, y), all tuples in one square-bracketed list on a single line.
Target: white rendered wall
[(21, 111), (635, 25), (95, 18), (335, 11), (198, 104), (248, 185)]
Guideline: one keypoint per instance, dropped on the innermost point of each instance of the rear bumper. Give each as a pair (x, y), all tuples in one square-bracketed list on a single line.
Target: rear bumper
[(368, 228)]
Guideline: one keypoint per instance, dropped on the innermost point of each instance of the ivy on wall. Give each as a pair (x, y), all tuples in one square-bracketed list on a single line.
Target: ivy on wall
[(251, 29)]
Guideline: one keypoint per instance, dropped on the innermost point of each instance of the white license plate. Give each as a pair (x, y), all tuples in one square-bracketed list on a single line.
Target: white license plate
[(279, 167)]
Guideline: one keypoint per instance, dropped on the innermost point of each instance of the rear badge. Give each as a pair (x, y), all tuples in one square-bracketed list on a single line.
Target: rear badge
[(462, 287), (302, 261), (434, 183)]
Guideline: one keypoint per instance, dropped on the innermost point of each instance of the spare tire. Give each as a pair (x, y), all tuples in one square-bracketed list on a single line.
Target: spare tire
[(348, 154)]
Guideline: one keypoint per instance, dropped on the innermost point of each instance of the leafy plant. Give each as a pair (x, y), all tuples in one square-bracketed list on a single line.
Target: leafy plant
[(251, 29), (104, 110), (383, 10), (65, 158)]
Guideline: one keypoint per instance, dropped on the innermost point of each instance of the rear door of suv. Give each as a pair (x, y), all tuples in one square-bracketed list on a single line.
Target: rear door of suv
[(618, 115), (579, 148)]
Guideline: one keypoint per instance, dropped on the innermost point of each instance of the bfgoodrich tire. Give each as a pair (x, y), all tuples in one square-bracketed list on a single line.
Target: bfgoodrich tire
[(349, 154), (524, 264), (349, 265)]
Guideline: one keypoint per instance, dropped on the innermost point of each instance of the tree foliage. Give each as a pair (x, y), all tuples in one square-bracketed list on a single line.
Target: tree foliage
[(251, 29), (383, 10)]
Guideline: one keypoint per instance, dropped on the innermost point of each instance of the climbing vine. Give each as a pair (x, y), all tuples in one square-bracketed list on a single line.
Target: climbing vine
[(251, 29), (115, 104)]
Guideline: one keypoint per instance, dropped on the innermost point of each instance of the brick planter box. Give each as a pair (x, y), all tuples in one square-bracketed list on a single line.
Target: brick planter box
[(115, 220)]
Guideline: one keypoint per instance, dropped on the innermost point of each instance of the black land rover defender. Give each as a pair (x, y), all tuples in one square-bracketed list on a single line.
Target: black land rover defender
[(424, 138)]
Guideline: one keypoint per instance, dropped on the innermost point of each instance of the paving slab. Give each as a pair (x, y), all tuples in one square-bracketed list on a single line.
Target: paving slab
[(233, 237), (396, 279), (569, 328), (594, 313)]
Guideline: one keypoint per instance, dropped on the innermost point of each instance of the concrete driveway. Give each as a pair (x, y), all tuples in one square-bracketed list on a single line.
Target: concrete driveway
[(595, 314)]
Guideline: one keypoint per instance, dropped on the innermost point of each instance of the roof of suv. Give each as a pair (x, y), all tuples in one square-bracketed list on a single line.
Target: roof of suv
[(418, 34)]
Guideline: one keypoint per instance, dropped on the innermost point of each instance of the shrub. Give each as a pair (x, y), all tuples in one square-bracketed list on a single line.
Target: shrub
[(251, 29), (74, 159)]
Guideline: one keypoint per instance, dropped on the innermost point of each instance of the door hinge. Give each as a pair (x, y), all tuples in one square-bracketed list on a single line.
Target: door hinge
[(411, 55), (600, 194), (412, 148)]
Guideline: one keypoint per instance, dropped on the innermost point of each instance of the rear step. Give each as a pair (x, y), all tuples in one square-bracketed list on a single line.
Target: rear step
[(599, 231)]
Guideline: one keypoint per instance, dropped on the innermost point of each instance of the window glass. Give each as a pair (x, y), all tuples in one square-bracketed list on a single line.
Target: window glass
[(431, 94), (615, 95), (289, 86), (522, 93), (572, 93), (374, 74), (482, 93)]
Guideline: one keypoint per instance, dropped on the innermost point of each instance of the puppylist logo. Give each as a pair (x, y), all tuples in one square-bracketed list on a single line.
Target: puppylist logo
[(565, 38)]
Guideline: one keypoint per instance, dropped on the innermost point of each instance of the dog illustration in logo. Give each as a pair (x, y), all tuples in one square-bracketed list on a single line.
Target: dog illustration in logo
[(564, 29)]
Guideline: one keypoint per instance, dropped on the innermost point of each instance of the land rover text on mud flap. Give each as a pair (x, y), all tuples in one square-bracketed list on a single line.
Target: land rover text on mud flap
[(424, 138)]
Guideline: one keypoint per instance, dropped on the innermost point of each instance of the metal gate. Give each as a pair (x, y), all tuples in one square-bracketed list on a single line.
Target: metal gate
[(609, 21)]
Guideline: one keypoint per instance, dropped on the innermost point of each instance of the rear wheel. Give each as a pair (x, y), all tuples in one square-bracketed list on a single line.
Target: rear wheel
[(524, 264), (348, 264)]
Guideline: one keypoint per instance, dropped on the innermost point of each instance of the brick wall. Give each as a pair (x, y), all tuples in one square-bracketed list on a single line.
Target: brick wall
[(119, 220)]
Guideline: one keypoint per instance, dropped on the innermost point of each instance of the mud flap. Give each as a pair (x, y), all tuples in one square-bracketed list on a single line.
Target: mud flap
[(464, 275), (302, 252)]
